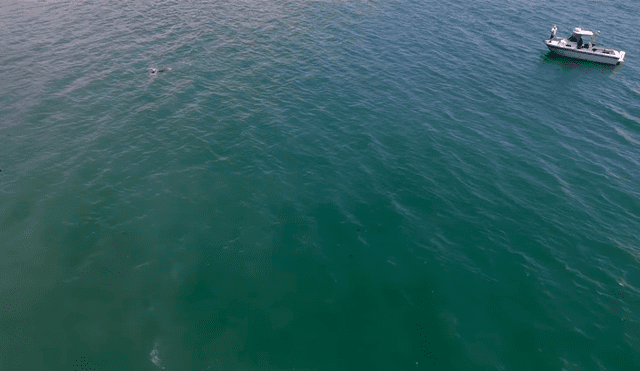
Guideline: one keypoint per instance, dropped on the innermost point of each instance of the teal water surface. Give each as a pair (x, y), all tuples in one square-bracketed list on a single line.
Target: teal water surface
[(317, 185)]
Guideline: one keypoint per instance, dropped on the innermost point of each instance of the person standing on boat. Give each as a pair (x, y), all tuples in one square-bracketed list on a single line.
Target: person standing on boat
[(554, 29)]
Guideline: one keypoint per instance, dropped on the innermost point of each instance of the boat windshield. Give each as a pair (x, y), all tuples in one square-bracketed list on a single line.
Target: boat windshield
[(574, 38)]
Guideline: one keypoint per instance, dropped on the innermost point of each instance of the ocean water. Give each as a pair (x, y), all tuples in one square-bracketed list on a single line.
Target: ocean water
[(317, 185)]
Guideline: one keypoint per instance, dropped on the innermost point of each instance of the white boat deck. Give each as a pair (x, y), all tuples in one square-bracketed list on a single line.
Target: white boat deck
[(563, 42)]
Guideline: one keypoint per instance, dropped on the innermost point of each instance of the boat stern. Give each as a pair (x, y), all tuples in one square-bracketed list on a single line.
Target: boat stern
[(621, 59)]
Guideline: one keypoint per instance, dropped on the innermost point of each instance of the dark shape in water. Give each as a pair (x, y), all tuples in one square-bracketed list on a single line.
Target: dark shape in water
[(155, 70)]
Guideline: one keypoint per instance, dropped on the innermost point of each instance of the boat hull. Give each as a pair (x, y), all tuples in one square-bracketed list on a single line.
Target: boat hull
[(587, 55)]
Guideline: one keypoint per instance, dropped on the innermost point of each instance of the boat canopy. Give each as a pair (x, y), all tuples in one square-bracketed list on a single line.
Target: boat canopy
[(581, 32)]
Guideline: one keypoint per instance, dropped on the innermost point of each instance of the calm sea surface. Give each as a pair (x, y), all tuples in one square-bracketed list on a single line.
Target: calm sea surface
[(317, 185)]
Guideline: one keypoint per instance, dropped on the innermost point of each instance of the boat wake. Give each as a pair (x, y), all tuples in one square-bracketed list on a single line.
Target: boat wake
[(627, 137), (624, 114), (633, 89)]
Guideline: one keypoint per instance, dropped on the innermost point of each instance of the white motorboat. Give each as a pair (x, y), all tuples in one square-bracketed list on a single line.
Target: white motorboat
[(575, 47)]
